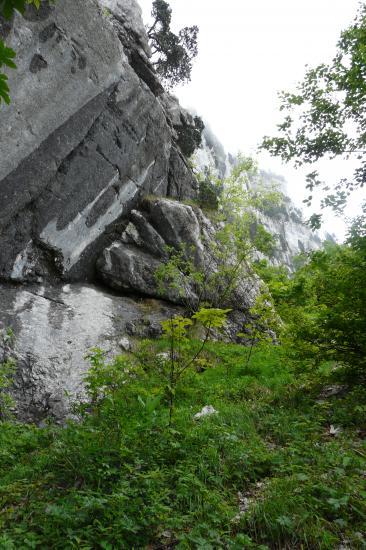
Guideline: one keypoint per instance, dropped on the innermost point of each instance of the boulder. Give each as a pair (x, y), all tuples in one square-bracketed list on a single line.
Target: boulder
[(208, 410), (129, 269), (131, 263)]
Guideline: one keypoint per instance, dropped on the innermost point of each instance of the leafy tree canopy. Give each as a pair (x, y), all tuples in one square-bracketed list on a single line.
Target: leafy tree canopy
[(7, 55), (326, 117), (172, 53), (190, 136)]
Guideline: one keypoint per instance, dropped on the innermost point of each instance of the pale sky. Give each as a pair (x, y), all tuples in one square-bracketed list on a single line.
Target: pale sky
[(248, 51)]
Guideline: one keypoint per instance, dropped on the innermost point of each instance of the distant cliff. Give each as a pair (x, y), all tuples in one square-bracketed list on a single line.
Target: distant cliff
[(284, 222)]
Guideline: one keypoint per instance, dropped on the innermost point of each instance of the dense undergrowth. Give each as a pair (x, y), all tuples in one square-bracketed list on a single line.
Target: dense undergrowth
[(280, 465)]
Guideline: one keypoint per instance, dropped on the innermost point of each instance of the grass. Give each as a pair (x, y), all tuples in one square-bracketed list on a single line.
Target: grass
[(264, 472)]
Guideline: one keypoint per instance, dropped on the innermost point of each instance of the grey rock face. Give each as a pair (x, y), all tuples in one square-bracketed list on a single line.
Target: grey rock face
[(90, 132), (55, 327), (129, 13), (181, 182), (83, 140), (212, 155), (62, 35)]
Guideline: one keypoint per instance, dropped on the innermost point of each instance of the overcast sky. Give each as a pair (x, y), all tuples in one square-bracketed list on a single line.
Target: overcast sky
[(248, 51)]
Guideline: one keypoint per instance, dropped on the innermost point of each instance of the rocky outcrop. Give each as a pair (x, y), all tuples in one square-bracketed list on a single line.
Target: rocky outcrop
[(88, 133), (212, 155), (131, 262), (287, 224), (162, 225)]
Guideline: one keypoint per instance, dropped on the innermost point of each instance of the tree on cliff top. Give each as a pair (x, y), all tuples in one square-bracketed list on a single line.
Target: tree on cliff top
[(172, 53), (7, 55), (326, 117)]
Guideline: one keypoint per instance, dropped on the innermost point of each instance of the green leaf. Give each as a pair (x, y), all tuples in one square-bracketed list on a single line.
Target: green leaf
[(4, 89)]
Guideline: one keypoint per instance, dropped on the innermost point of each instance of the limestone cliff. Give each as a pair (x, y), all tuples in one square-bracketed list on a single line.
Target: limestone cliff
[(91, 179), (89, 133)]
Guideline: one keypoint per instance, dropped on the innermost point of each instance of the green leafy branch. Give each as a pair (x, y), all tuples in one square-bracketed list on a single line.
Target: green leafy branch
[(229, 250), (176, 330), (325, 118), (7, 55)]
